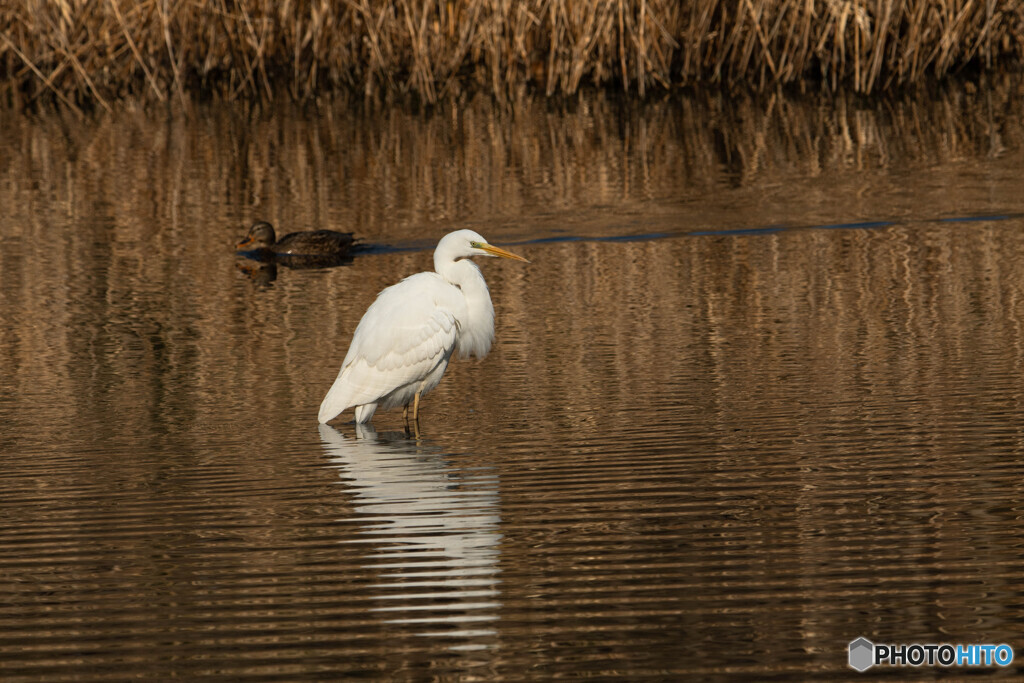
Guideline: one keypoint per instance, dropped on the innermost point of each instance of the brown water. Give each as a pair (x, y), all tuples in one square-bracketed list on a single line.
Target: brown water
[(760, 392)]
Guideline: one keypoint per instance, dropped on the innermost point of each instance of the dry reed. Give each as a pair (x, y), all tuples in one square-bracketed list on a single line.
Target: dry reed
[(84, 52)]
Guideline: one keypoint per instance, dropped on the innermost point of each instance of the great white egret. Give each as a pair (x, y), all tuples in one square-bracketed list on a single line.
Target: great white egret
[(402, 345)]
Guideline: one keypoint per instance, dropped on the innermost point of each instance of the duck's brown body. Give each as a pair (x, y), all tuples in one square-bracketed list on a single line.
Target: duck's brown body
[(316, 244)]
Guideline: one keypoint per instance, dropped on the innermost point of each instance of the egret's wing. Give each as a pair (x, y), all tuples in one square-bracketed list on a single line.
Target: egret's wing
[(405, 333), (396, 356)]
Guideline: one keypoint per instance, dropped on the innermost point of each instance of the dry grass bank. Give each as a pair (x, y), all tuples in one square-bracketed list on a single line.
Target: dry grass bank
[(93, 52)]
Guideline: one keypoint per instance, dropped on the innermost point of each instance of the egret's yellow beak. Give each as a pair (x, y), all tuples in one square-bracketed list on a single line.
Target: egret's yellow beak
[(498, 251)]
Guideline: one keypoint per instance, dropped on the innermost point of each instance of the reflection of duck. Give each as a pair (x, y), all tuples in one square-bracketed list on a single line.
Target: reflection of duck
[(262, 273), (316, 248), (434, 530)]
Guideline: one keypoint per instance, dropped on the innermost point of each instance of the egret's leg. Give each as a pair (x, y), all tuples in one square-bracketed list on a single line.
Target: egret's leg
[(416, 408)]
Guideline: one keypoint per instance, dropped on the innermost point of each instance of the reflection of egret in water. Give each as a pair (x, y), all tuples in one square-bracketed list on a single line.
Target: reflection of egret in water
[(435, 528)]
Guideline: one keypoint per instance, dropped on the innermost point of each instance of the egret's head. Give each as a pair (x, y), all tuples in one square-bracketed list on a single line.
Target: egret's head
[(465, 243), (260, 235)]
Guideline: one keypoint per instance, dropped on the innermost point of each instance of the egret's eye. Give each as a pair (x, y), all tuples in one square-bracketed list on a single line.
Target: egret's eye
[(476, 245)]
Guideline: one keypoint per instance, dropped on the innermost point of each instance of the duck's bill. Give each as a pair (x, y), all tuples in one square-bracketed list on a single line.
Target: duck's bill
[(244, 243), (498, 251)]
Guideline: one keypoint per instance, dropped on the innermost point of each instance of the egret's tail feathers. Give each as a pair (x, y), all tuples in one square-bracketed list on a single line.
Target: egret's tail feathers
[(357, 386), (364, 413), (333, 404), (326, 414)]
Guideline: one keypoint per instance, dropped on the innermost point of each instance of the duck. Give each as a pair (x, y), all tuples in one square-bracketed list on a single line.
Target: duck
[(261, 240)]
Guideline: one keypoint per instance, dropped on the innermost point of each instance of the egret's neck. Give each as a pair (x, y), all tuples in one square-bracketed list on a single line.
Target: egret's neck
[(477, 330), (465, 275)]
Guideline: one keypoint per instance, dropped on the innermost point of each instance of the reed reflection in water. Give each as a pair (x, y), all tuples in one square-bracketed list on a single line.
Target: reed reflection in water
[(758, 394)]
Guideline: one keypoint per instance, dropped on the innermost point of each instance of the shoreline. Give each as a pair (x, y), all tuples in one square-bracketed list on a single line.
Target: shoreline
[(91, 55)]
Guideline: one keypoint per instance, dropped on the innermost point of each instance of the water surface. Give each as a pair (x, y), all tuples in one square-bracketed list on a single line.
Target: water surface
[(759, 392)]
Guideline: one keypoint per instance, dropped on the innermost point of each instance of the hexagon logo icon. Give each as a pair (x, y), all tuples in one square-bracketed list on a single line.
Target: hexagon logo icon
[(862, 654)]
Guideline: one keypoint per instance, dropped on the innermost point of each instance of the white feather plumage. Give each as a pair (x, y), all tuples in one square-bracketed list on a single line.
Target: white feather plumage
[(404, 341)]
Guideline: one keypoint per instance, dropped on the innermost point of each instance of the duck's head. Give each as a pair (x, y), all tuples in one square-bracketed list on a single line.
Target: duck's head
[(260, 236)]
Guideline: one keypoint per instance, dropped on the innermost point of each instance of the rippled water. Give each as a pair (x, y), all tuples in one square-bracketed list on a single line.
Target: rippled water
[(759, 392)]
